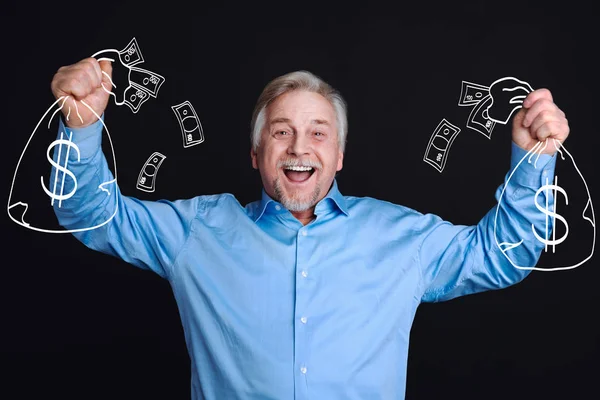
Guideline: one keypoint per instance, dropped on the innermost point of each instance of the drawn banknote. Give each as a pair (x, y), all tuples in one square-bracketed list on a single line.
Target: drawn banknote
[(191, 128), (131, 54), (439, 144), (478, 119), (145, 80), (138, 83), (471, 93), (134, 98), (147, 177)]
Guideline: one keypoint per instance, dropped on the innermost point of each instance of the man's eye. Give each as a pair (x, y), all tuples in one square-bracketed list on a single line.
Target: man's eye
[(282, 133), (319, 134)]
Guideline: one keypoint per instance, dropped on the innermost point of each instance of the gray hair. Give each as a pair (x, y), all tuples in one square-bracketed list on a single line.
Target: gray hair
[(298, 80)]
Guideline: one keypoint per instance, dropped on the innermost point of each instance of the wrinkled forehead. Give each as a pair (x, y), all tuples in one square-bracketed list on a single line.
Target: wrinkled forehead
[(301, 107)]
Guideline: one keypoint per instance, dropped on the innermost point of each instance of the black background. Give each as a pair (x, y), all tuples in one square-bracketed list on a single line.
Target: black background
[(79, 324)]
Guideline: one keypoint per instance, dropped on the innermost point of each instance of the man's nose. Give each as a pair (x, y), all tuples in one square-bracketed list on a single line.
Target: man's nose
[(300, 145)]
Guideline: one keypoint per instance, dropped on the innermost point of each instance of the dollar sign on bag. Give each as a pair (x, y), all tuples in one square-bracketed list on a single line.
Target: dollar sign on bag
[(60, 168), (551, 214)]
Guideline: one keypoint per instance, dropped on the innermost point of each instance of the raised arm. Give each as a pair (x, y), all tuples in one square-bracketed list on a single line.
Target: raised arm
[(460, 260), (146, 234)]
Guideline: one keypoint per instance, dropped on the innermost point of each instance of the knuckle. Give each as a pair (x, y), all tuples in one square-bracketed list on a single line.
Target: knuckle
[(546, 115), (88, 61), (73, 82), (545, 92)]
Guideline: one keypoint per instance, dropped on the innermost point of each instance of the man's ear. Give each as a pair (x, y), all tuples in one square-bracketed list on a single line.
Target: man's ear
[(253, 157), (340, 162)]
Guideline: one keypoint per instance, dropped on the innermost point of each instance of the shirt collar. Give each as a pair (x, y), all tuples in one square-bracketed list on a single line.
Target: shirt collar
[(334, 200)]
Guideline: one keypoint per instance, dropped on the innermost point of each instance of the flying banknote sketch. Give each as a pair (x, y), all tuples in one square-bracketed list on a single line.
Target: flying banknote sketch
[(493, 104), (438, 148), (478, 119), (147, 177), (472, 93), (131, 85), (191, 128)]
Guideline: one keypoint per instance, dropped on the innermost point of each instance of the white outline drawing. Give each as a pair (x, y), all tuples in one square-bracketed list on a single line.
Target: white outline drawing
[(69, 143), (520, 86), (505, 246), (142, 90), (132, 100), (128, 51), (188, 140), (451, 129), (487, 128), (147, 78), (22, 222), (545, 210), (154, 161), (467, 98), (125, 54)]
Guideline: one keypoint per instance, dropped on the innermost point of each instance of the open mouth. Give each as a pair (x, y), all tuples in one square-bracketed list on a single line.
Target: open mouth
[(298, 174)]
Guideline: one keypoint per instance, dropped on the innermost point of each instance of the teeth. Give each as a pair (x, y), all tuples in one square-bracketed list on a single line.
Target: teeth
[(298, 168)]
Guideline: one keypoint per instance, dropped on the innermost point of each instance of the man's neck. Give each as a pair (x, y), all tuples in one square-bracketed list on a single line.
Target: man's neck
[(304, 216)]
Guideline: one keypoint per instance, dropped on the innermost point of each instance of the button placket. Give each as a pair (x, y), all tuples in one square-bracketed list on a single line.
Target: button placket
[(303, 294)]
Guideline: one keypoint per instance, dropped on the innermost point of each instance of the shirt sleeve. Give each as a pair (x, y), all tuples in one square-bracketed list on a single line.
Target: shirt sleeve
[(500, 250), (147, 234)]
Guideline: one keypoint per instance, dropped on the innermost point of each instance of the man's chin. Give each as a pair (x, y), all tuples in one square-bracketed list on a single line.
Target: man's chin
[(299, 201), (296, 198), (297, 205)]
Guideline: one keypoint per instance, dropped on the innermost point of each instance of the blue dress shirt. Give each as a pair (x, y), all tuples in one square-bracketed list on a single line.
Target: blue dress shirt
[(272, 309)]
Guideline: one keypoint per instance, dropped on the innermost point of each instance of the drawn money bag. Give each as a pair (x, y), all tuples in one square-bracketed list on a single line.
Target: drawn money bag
[(43, 180), (33, 193), (569, 236)]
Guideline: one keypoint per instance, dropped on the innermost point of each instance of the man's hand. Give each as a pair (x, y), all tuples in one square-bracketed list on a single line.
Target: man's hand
[(539, 120), (84, 81)]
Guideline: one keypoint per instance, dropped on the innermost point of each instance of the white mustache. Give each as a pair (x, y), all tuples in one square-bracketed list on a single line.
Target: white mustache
[(299, 163)]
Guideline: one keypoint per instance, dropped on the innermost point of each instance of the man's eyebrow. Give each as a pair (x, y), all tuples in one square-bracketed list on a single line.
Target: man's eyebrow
[(287, 121), (280, 119)]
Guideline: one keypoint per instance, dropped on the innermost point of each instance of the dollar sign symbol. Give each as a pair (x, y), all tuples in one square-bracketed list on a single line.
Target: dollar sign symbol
[(551, 214), (60, 168)]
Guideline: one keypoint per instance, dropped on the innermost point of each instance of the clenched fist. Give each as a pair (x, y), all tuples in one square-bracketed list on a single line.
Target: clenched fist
[(540, 119), (87, 81)]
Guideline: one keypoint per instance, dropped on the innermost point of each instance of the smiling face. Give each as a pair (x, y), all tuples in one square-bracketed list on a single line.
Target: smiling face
[(299, 152)]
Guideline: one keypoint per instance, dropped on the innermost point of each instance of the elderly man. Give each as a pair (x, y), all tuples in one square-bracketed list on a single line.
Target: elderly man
[(305, 293)]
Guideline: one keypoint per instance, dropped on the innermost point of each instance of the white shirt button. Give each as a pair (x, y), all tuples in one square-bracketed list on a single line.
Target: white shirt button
[(304, 273), (303, 319), (278, 207), (303, 370), (304, 233)]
